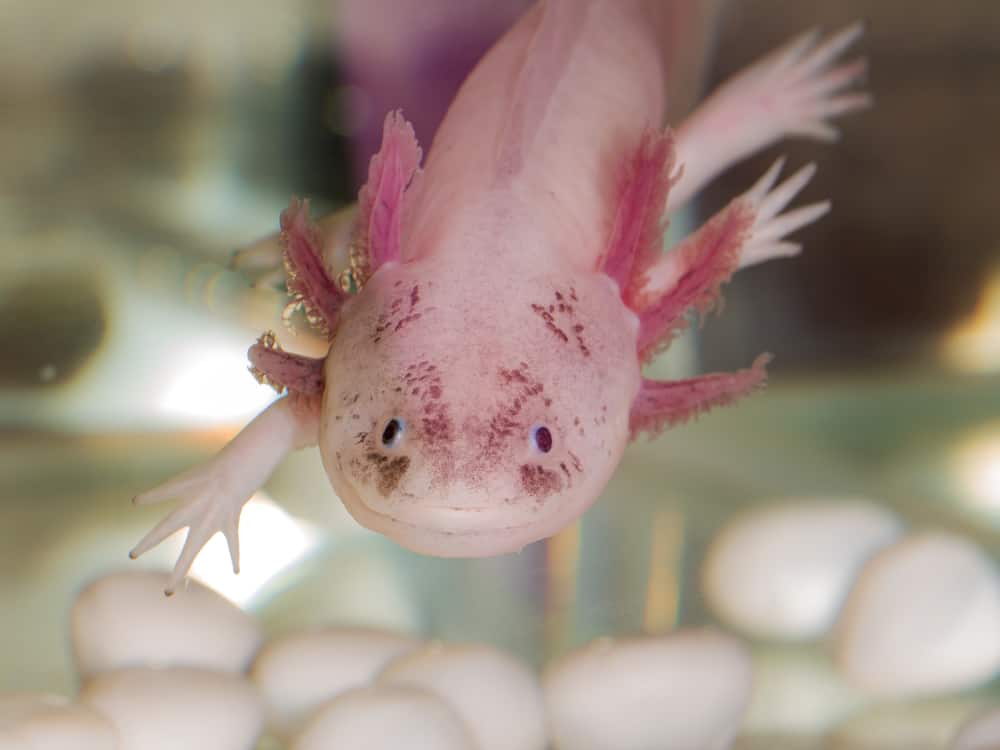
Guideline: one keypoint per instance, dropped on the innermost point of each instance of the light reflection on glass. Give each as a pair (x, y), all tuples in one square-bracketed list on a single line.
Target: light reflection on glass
[(563, 553), (977, 468), (662, 584), (211, 385), (974, 345)]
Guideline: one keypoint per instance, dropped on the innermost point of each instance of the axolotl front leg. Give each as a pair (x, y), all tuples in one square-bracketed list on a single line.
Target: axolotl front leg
[(211, 496), (792, 92)]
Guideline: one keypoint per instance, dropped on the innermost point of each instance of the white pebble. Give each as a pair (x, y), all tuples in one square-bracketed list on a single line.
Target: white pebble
[(167, 709), (783, 571), (297, 673), (38, 721), (981, 732), (386, 718), (683, 691), (124, 620), (497, 696), (923, 618)]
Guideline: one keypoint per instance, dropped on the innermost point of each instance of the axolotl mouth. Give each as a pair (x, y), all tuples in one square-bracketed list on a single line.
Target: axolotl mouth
[(449, 531)]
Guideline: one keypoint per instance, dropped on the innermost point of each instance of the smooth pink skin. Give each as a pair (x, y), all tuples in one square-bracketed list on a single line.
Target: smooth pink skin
[(517, 201)]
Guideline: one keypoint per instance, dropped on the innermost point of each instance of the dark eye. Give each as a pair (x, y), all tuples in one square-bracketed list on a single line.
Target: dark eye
[(541, 438), (392, 434)]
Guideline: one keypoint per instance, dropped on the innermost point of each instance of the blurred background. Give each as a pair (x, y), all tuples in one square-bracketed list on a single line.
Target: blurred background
[(142, 143)]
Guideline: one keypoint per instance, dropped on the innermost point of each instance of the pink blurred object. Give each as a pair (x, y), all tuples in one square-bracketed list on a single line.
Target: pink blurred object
[(411, 55)]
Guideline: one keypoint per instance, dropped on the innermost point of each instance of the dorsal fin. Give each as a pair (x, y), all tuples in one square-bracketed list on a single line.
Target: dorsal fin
[(544, 65)]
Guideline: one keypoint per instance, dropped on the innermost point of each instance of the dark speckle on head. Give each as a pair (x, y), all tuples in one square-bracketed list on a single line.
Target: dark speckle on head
[(560, 317), (538, 481), (396, 318), (388, 471)]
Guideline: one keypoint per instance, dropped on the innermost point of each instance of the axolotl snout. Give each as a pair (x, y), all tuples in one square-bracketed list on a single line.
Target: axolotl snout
[(486, 343)]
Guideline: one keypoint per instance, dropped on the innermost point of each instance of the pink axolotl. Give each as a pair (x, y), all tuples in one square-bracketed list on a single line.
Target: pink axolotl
[(486, 344)]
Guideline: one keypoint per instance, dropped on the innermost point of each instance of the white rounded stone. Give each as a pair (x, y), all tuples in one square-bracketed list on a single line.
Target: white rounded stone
[(783, 571), (125, 620), (684, 691), (167, 709), (923, 618), (386, 717), (497, 696), (979, 732), (38, 721), (298, 672)]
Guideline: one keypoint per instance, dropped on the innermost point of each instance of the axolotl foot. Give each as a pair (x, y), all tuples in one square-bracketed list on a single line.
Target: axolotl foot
[(793, 92), (213, 494), (211, 500)]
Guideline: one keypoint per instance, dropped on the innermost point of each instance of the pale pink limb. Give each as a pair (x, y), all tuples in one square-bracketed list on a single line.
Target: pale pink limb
[(669, 279), (794, 91), (263, 260), (702, 263), (213, 494), (284, 371), (766, 237), (637, 233), (381, 201), (309, 282), (662, 404)]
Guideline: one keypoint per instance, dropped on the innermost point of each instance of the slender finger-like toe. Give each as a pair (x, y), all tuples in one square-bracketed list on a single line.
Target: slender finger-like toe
[(232, 534), (843, 105), (757, 253), (841, 77), (770, 227), (787, 223), (791, 53), (766, 181), (197, 538), (776, 200), (831, 49)]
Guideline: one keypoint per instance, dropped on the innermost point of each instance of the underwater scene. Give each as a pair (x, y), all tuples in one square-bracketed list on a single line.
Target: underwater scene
[(558, 375)]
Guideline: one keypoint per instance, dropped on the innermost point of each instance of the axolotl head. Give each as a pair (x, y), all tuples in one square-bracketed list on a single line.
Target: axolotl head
[(469, 414)]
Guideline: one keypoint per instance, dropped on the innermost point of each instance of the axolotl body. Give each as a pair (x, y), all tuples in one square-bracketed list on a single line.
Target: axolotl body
[(486, 344)]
